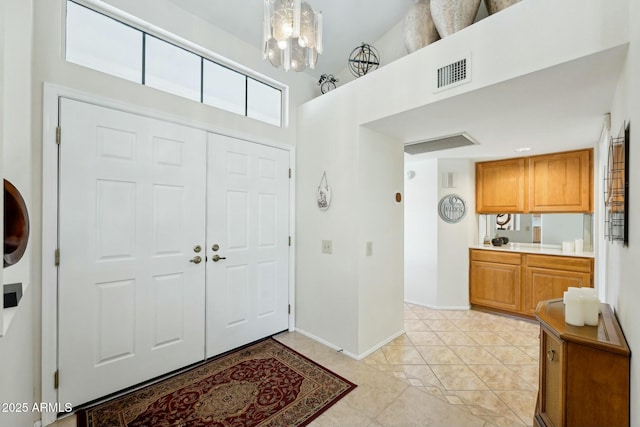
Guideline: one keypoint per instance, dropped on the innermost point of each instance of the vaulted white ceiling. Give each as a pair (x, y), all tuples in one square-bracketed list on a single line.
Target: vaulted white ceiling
[(347, 23)]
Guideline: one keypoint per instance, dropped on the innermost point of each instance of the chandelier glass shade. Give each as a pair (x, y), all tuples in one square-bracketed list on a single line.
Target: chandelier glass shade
[(292, 34)]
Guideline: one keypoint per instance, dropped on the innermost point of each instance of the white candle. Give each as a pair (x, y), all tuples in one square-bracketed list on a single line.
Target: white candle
[(573, 309), (590, 306)]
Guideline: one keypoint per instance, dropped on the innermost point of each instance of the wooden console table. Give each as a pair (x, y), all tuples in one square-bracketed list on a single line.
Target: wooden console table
[(584, 371)]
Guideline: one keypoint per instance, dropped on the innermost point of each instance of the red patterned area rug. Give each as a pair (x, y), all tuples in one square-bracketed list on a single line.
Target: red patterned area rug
[(265, 384)]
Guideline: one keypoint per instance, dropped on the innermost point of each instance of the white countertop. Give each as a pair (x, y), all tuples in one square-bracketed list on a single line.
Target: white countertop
[(533, 248)]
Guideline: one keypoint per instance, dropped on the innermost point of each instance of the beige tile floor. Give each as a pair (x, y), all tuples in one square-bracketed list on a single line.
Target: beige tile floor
[(451, 368), (484, 364)]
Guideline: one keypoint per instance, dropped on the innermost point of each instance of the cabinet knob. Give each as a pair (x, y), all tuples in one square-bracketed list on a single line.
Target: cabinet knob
[(551, 354)]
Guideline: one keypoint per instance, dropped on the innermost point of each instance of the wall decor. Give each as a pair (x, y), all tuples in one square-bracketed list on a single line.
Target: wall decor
[(452, 208), (450, 16), (616, 187), (327, 82), (324, 193), (16, 225), (495, 6), (419, 28), (363, 59)]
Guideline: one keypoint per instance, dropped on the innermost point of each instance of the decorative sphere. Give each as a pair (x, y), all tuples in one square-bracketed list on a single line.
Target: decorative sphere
[(363, 59)]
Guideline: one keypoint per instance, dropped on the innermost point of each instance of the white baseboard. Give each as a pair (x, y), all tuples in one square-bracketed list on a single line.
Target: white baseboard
[(347, 353), (380, 345), (325, 342), (440, 307)]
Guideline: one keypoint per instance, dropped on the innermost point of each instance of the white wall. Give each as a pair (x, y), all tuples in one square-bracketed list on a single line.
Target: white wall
[(17, 348), (327, 285), (380, 217), (17, 128), (454, 239), (421, 233), (493, 43), (623, 290), (437, 253)]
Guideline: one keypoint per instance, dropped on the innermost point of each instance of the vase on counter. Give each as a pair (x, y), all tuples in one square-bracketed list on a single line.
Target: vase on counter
[(450, 16), (495, 6), (419, 28)]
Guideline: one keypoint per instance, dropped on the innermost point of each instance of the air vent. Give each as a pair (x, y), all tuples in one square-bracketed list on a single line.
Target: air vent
[(453, 74), (437, 144)]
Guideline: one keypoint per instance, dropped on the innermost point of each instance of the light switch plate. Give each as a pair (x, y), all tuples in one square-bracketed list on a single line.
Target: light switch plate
[(327, 247)]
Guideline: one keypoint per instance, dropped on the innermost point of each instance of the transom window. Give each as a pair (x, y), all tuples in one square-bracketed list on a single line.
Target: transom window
[(105, 44)]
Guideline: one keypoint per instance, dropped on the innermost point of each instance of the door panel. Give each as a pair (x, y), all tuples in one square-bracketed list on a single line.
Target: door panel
[(132, 208), (248, 218)]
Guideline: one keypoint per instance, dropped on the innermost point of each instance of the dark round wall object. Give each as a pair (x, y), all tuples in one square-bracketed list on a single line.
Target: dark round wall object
[(16, 225)]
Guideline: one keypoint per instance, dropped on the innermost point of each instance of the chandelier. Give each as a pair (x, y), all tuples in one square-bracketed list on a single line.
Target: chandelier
[(292, 34)]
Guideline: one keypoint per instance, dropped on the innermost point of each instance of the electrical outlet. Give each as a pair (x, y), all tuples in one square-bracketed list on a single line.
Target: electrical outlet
[(327, 247), (369, 248)]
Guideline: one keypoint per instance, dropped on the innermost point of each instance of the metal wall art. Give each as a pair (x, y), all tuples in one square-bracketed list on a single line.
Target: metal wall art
[(324, 193), (616, 187), (452, 208)]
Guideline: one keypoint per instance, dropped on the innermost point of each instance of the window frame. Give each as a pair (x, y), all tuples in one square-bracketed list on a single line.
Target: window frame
[(154, 31)]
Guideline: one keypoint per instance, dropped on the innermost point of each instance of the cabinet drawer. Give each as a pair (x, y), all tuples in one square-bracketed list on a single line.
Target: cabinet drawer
[(495, 256), (582, 265), (552, 357)]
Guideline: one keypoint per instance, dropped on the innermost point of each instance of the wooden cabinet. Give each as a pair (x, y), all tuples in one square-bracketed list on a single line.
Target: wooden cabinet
[(584, 371), (548, 277), (494, 280), (501, 186), (561, 182), (515, 282)]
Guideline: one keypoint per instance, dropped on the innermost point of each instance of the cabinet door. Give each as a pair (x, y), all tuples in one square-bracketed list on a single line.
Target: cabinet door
[(495, 285), (544, 283), (501, 186), (561, 182), (551, 379)]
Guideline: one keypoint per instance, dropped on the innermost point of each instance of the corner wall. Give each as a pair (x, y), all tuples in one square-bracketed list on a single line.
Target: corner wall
[(381, 217), (437, 253), (454, 239), (18, 359), (327, 284), (421, 233), (623, 290)]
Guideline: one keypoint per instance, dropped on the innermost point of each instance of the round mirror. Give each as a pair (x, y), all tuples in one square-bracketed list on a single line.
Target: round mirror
[(16, 225)]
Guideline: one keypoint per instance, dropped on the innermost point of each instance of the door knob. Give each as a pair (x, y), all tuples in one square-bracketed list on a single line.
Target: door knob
[(196, 259), (217, 258), (197, 248)]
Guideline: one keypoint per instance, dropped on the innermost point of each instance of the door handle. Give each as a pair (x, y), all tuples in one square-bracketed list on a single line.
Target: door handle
[(196, 259), (217, 258)]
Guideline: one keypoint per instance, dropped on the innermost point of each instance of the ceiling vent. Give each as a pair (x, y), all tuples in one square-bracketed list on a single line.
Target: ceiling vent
[(437, 144), (453, 74)]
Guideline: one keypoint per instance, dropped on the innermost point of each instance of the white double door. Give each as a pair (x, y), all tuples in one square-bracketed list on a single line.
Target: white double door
[(139, 201)]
